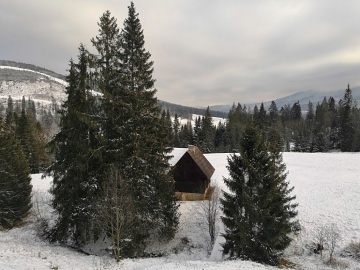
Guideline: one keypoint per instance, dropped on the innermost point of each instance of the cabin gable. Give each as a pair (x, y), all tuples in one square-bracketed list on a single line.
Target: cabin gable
[(188, 176), (192, 172)]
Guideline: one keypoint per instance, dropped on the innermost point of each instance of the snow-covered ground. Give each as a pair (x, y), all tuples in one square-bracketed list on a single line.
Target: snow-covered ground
[(327, 186), (215, 120)]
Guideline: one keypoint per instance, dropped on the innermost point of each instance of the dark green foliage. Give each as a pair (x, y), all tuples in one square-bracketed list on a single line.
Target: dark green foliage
[(15, 181), (186, 135), (145, 162), (310, 114), (347, 130), (198, 135), (260, 118), (75, 186), (273, 113), (296, 111), (220, 141), (31, 137), (120, 128), (208, 133), (176, 130), (258, 209), (235, 125)]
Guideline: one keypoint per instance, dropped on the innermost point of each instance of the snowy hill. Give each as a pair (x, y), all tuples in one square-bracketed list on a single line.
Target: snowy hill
[(327, 193), (18, 82)]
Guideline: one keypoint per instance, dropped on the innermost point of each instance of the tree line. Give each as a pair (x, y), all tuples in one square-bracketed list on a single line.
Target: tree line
[(326, 126), (22, 151)]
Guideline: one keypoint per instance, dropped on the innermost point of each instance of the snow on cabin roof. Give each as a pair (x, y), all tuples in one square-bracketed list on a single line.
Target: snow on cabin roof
[(196, 155), (177, 153)]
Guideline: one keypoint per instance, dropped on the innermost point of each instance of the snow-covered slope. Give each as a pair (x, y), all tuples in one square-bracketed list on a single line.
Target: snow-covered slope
[(327, 187), (18, 82)]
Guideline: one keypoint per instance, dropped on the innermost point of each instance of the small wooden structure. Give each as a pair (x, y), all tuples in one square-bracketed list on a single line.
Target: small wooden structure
[(192, 174)]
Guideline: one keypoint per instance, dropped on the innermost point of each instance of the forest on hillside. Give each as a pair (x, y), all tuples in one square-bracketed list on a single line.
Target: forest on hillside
[(327, 126)]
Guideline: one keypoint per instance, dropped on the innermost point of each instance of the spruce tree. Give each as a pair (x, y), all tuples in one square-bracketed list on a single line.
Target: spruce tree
[(15, 181), (347, 130), (258, 210), (176, 131), (186, 135), (198, 135), (273, 113), (135, 137), (208, 132), (76, 161), (146, 149), (31, 137)]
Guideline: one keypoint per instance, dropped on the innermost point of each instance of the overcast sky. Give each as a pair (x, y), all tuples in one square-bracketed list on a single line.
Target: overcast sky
[(205, 52)]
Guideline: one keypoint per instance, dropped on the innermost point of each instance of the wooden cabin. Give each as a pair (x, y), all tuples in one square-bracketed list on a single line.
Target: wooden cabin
[(192, 173)]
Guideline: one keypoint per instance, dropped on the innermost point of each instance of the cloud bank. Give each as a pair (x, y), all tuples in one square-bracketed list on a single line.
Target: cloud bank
[(206, 52)]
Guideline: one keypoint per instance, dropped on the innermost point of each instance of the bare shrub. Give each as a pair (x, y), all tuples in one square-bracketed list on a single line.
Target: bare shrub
[(333, 238), (117, 211), (321, 238), (209, 209), (352, 251), (327, 238)]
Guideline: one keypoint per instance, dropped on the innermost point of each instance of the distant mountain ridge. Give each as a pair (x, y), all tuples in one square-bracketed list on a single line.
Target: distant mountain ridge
[(43, 85), (303, 97), (31, 67)]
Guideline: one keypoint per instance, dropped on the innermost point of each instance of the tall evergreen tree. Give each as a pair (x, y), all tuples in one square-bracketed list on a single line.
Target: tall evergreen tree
[(258, 209), (261, 118), (273, 113), (220, 141), (296, 111), (186, 135), (346, 125), (31, 137), (15, 181), (198, 134), (208, 132), (310, 113), (148, 150), (176, 131), (75, 182), (133, 130)]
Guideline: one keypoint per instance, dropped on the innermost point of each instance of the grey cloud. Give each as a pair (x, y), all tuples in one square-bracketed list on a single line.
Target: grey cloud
[(205, 52)]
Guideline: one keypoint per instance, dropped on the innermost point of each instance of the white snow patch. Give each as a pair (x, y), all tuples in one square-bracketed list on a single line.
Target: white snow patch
[(327, 187)]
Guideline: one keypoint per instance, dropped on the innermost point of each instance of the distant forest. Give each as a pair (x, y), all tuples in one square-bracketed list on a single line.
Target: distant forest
[(326, 126), (329, 125), (187, 112)]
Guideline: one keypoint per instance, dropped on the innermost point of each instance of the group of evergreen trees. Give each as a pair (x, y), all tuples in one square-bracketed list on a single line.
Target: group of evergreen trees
[(22, 151), (328, 126), (45, 114), (112, 138)]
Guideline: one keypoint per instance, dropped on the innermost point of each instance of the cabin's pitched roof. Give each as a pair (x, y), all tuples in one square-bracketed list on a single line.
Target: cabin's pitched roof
[(200, 160)]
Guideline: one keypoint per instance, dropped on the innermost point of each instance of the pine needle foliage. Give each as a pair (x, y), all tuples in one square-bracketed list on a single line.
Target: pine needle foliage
[(258, 209), (112, 120), (15, 181), (75, 185)]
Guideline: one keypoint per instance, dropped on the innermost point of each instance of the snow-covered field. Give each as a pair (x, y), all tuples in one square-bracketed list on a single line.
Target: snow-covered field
[(327, 186)]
